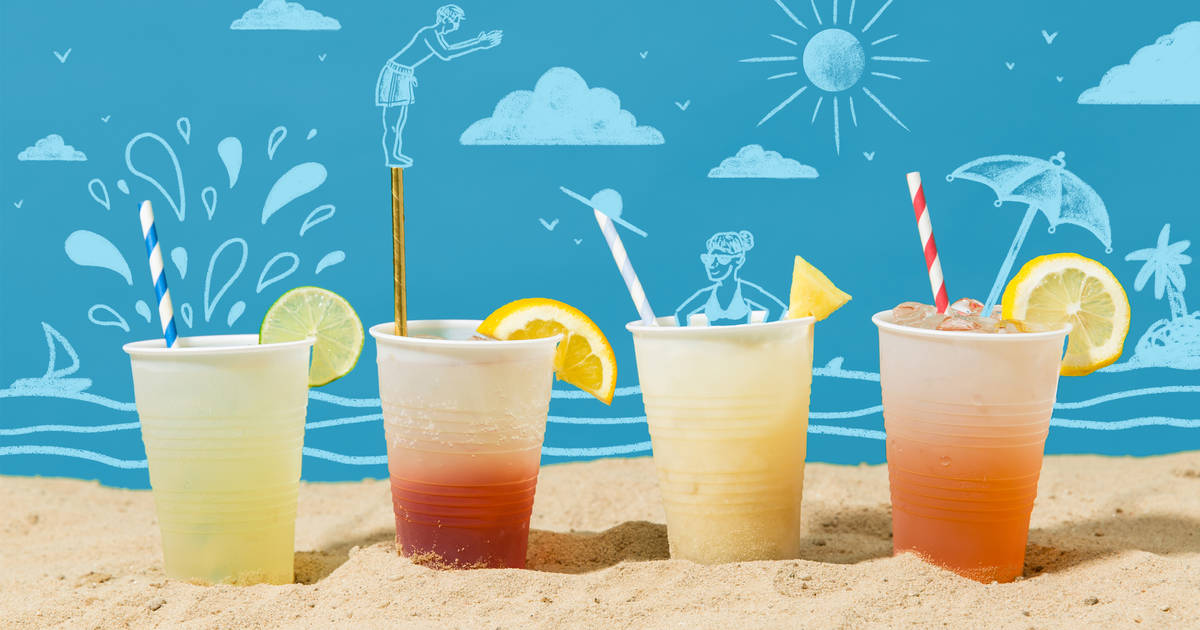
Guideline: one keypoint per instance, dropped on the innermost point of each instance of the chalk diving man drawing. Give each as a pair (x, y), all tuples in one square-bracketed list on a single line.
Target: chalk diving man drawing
[(394, 89), (729, 299)]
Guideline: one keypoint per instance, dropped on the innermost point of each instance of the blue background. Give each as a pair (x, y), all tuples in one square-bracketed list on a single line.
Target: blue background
[(474, 236)]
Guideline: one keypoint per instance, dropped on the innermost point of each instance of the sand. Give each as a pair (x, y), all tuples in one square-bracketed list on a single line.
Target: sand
[(1115, 542)]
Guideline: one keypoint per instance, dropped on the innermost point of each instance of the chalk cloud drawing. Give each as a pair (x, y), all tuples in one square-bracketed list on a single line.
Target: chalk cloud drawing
[(1163, 73), (561, 110), (395, 87), (752, 161), (279, 15), (836, 61), (52, 148), (607, 202), (729, 299), (1044, 186), (1173, 342)]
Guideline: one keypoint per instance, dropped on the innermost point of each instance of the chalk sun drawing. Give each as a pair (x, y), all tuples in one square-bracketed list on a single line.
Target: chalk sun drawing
[(395, 89), (729, 299), (1173, 342), (1044, 186), (837, 62)]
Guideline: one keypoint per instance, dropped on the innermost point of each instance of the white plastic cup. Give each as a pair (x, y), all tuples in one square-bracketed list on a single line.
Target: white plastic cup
[(464, 422), (727, 408), (966, 416), (223, 424)]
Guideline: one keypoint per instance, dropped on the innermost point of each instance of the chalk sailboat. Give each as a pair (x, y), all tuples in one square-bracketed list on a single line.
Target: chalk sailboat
[(54, 382)]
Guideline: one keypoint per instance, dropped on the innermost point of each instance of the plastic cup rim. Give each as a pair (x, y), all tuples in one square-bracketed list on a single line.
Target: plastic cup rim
[(381, 332), (637, 326), (883, 324), (237, 344)]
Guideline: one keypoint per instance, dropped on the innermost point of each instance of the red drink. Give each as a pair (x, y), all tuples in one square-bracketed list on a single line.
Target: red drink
[(463, 510)]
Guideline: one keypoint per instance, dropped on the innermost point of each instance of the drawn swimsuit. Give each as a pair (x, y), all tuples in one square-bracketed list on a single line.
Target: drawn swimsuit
[(395, 85), (738, 308)]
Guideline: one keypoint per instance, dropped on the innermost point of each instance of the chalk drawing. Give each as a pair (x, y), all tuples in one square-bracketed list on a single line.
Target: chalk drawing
[(1163, 73), (211, 301), (320, 214), (99, 192), (179, 256), (312, 133), (185, 313), (89, 249), (870, 155), (1173, 342), (273, 140), (328, 260), (1049, 37), (180, 206), (549, 225), (283, 16), (62, 57), (297, 182), (18, 203), (684, 105), (395, 89), (752, 161), (728, 299), (608, 202), (561, 110), (184, 126), (52, 148), (105, 119), (123, 186), (264, 281), (235, 312), (114, 318), (142, 309), (644, 54), (835, 61), (230, 151), (1044, 186), (209, 197)]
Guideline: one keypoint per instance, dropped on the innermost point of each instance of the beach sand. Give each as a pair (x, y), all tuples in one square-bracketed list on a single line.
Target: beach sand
[(1115, 542)]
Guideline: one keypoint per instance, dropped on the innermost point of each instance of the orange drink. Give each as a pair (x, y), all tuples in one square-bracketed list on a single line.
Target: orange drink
[(966, 414)]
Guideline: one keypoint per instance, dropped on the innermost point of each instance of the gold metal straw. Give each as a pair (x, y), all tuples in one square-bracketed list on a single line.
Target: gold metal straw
[(398, 251)]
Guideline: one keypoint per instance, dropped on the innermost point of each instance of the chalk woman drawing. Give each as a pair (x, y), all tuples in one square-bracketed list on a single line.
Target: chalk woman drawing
[(394, 91), (729, 299)]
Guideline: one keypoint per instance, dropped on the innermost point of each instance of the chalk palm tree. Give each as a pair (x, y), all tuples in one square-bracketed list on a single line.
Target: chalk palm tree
[(1164, 262)]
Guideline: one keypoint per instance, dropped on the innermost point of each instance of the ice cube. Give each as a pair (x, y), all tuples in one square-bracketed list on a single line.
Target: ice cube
[(909, 313), (957, 323), (967, 306)]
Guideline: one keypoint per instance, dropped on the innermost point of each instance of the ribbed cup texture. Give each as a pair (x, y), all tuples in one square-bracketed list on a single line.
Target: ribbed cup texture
[(464, 425), (728, 416), (223, 437), (966, 422)]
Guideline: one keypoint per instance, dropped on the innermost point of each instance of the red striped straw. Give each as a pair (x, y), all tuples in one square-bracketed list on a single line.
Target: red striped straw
[(937, 281)]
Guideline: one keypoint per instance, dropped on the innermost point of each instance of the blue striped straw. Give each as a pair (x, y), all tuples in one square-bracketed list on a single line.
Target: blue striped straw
[(166, 313)]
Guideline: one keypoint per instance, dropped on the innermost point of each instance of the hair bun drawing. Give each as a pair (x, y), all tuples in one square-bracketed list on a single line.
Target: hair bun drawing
[(747, 240)]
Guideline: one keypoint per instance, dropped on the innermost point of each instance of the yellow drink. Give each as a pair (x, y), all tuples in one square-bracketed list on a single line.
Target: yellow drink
[(727, 408), (223, 424)]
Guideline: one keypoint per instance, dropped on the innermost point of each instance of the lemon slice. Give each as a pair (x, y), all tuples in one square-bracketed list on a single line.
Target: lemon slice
[(314, 312), (813, 294), (1058, 289), (584, 359)]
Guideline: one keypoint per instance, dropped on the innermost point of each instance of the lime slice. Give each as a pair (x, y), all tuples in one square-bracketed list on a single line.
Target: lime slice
[(315, 312)]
